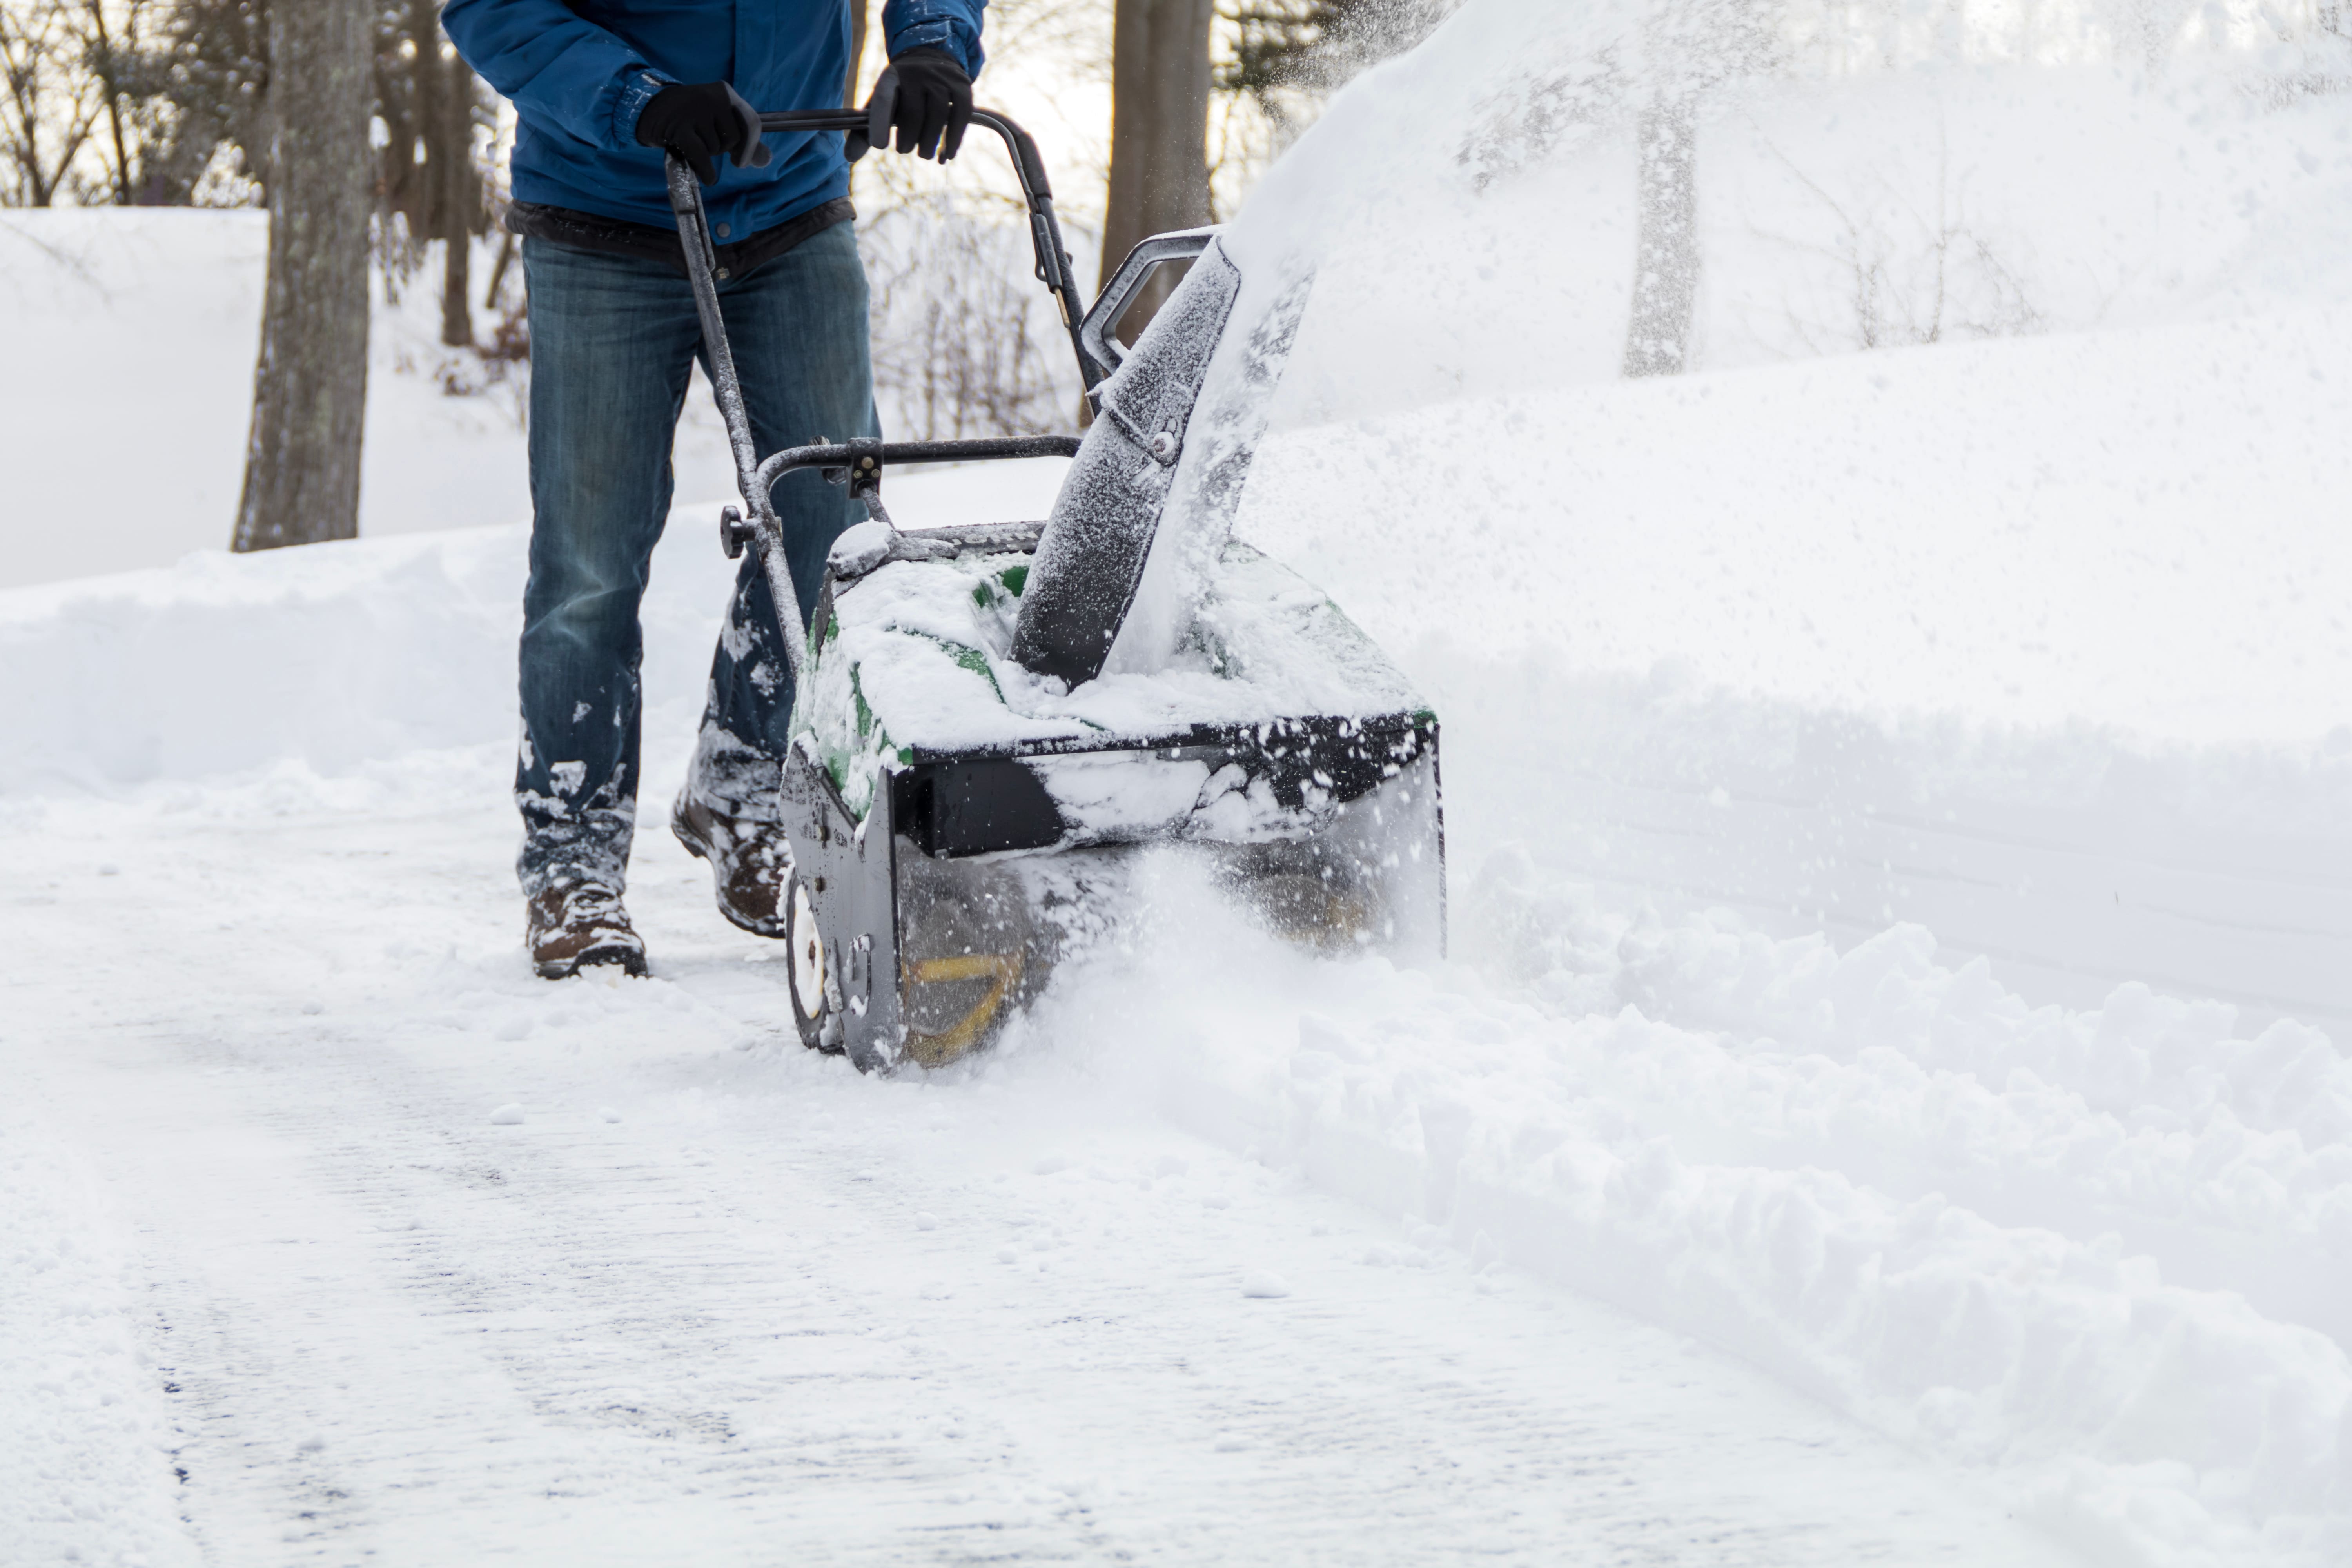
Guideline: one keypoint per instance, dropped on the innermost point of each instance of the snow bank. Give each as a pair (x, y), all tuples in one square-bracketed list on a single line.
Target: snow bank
[(123, 421), (333, 653), (340, 655), (132, 335), (2045, 644), (2031, 1269), (2138, 528), (2150, 1118)]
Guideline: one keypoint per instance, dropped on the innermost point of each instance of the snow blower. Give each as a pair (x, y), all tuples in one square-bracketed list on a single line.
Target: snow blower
[(993, 720)]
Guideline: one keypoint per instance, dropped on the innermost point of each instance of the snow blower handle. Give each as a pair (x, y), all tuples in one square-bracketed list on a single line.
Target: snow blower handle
[(1036, 192), (859, 464), (705, 272)]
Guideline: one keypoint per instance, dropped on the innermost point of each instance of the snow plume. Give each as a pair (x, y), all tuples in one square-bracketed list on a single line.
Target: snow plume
[(1849, 187)]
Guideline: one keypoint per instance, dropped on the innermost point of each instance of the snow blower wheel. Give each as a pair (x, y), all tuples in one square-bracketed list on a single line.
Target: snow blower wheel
[(991, 721), (805, 945)]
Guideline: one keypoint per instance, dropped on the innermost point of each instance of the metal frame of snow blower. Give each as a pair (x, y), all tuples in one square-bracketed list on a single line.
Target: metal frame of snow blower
[(950, 817), (860, 463)]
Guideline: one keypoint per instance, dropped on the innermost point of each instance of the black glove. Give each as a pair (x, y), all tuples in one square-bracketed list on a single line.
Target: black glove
[(928, 96), (700, 124)]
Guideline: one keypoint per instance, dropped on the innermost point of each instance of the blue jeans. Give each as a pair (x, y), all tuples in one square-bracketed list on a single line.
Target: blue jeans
[(613, 343)]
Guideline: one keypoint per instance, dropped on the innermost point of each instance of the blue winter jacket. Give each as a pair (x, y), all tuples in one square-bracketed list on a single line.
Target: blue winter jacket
[(581, 71)]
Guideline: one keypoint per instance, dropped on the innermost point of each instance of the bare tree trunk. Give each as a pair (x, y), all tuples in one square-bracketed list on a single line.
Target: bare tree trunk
[(457, 289), (1665, 255), (309, 385), (432, 107), (1159, 131), (460, 197)]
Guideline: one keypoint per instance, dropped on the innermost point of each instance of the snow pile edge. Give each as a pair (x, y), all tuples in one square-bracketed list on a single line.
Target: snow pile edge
[(2140, 1421)]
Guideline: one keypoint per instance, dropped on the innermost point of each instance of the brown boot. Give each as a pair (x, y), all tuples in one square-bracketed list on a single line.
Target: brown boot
[(749, 861), (575, 923)]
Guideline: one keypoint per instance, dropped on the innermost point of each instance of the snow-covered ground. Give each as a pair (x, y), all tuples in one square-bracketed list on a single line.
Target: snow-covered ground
[(122, 421), (285, 1276), (1887, 1100)]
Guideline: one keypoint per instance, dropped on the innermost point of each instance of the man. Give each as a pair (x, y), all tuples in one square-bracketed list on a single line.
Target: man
[(602, 89)]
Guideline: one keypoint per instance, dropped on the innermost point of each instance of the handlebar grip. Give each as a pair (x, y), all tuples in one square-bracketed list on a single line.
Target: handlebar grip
[(1017, 141), (813, 120), (1036, 191), (1023, 148)]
